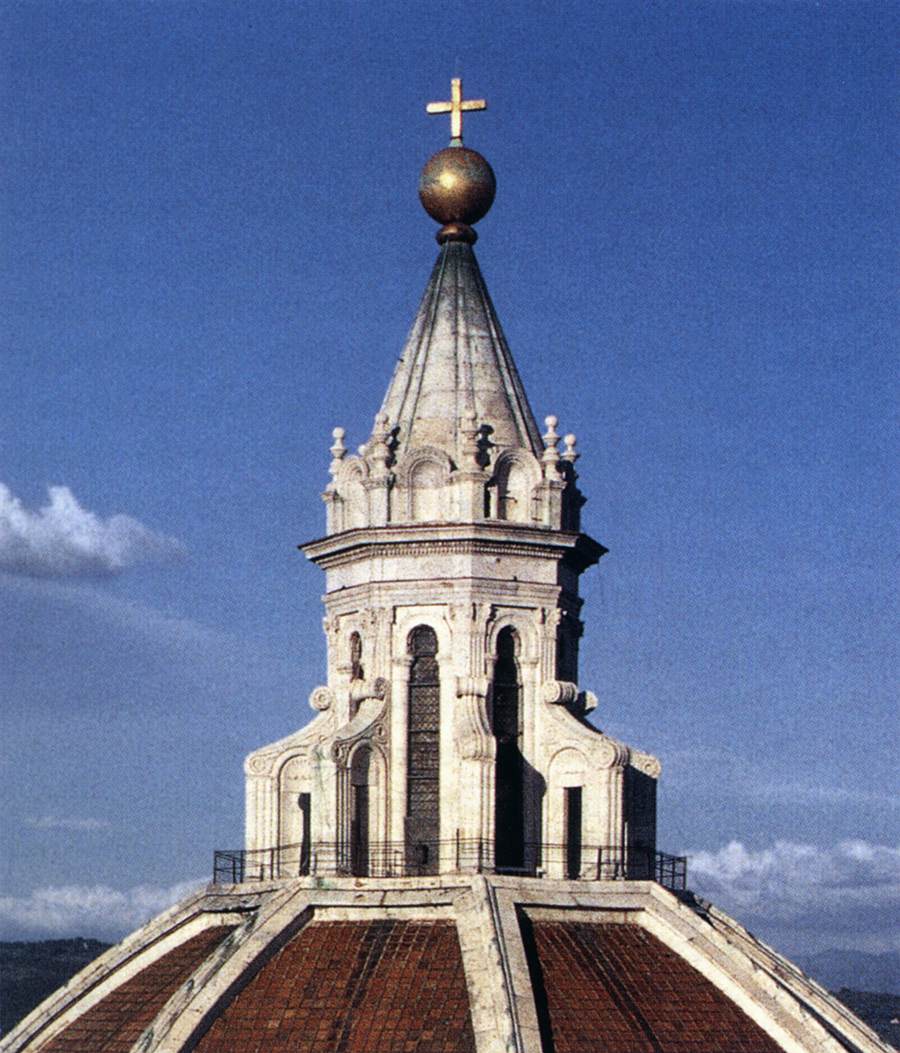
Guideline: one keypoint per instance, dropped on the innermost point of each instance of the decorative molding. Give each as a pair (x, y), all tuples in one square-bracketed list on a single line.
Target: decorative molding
[(411, 459), (417, 549)]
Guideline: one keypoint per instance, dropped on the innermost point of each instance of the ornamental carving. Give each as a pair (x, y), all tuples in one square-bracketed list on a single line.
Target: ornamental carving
[(321, 698), (380, 688), (589, 701), (360, 690), (474, 740), (647, 764), (608, 753), (368, 725), (261, 763), (339, 753), (559, 692)]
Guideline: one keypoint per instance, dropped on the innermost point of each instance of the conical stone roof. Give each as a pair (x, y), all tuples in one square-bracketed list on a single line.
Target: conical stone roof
[(456, 363)]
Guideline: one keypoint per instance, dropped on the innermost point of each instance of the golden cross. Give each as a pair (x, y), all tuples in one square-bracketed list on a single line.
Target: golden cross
[(456, 107)]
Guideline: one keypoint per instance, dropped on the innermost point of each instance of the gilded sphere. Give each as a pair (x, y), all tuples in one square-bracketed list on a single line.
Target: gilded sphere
[(457, 185)]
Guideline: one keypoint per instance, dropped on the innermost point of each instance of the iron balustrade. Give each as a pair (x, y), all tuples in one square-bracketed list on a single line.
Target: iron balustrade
[(401, 859)]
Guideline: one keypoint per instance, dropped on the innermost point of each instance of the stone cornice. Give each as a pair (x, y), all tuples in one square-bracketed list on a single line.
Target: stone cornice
[(485, 538)]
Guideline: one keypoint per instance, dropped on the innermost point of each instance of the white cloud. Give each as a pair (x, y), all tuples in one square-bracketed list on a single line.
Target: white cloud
[(82, 910), (55, 822), (846, 894), (62, 539)]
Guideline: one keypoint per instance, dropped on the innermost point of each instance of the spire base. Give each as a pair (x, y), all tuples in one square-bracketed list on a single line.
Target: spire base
[(456, 232)]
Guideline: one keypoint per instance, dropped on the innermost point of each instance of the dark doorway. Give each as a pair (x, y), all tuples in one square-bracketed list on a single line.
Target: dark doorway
[(572, 820), (359, 851), (509, 837), (359, 812), (305, 803), (423, 754)]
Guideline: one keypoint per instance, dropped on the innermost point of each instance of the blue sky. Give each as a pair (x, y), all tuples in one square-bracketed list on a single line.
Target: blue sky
[(212, 252)]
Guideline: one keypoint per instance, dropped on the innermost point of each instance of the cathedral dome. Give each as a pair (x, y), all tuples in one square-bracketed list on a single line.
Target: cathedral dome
[(449, 858), (449, 964)]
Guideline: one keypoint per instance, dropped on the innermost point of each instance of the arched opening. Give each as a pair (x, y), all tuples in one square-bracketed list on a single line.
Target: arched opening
[(426, 484), (512, 493), (509, 827), (572, 801), (359, 811), (304, 804), (423, 754), (355, 501)]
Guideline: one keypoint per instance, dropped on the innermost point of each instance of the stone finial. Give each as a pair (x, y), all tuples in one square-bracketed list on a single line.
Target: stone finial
[(468, 444), (338, 450), (571, 455), (377, 449), (551, 440)]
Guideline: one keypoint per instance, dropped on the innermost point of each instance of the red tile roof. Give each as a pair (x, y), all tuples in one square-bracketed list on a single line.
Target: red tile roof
[(617, 988), (354, 987), (115, 1023)]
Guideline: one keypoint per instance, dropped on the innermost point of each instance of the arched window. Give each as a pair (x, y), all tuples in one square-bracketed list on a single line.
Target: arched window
[(423, 754), (359, 811), (509, 835)]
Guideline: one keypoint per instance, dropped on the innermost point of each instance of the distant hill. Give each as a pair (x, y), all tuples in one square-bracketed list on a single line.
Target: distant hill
[(877, 1010), (835, 969), (31, 971)]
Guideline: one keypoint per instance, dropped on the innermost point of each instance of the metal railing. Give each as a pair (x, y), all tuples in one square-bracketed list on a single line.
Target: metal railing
[(400, 859)]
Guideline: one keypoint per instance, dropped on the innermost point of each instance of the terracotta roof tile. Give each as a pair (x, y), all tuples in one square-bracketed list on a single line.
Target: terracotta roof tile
[(618, 988), (115, 1023), (354, 987)]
